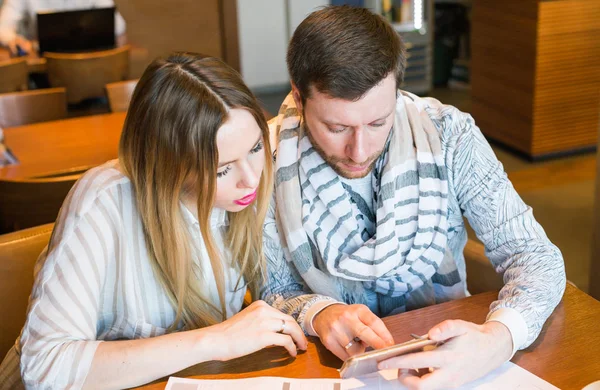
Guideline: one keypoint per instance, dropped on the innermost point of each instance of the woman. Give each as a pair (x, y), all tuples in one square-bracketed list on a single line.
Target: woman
[(156, 248)]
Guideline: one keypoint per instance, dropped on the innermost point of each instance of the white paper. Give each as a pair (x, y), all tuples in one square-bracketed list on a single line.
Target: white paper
[(508, 376)]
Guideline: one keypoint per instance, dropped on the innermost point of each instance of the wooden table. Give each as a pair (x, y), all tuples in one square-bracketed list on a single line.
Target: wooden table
[(566, 354), (54, 147)]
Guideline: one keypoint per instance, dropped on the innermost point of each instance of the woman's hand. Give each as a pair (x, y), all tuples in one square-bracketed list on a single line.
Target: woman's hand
[(256, 327)]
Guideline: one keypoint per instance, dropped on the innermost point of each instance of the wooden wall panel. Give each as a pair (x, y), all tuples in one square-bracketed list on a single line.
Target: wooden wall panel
[(503, 70), (535, 64), (568, 16), (229, 29), (507, 96), (157, 27), (508, 129), (567, 83)]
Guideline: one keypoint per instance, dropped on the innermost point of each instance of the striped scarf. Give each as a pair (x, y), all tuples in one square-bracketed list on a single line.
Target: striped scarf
[(410, 189)]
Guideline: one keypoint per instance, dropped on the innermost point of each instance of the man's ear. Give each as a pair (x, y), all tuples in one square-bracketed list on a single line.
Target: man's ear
[(297, 98)]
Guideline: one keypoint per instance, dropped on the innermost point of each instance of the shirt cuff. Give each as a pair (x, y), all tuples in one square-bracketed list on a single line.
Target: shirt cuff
[(515, 323), (315, 309)]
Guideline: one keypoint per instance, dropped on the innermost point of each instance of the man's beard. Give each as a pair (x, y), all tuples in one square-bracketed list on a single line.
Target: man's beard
[(333, 161)]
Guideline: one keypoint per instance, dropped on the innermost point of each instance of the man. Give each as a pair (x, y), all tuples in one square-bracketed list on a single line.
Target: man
[(371, 187), (18, 21)]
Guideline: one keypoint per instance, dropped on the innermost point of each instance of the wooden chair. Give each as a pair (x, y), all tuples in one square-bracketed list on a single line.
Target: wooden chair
[(33, 202), (481, 275), (594, 273), (119, 94), (21, 108), (18, 254), (85, 74), (13, 75)]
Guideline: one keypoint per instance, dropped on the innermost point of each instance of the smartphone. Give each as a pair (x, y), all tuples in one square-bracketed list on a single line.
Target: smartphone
[(366, 363)]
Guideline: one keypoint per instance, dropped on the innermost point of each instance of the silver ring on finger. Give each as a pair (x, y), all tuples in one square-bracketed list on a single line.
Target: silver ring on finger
[(351, 343), (282, 329)]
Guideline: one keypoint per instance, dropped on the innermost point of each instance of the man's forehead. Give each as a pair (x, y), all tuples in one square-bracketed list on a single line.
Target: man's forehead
[(371, 107), (321, 91)]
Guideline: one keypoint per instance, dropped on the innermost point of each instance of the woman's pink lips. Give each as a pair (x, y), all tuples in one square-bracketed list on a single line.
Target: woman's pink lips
[(246, 200)]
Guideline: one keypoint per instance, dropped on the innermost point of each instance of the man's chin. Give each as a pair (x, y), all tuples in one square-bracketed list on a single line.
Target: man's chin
[(351, 174)]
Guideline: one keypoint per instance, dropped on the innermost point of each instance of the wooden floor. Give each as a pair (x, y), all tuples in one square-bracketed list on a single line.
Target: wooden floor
[(555, 173)]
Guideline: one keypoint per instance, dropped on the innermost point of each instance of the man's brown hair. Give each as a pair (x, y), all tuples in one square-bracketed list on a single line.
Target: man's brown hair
[(343, 52)]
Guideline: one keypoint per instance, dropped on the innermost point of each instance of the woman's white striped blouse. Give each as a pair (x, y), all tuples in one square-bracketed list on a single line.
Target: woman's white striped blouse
[(94, 283)]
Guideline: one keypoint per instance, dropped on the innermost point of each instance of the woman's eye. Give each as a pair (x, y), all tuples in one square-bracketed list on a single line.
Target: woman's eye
[(338, 130), (257, 148), (224, 172)]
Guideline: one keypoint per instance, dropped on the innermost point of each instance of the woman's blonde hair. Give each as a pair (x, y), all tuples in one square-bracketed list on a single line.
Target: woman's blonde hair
[(168, 139)]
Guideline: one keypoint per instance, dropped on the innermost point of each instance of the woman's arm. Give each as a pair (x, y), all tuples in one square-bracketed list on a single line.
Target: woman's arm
[(127, 363), (120, 364)]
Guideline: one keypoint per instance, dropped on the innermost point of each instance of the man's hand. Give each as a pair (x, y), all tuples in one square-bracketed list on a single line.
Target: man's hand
[(338, 325), (470, 352)]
